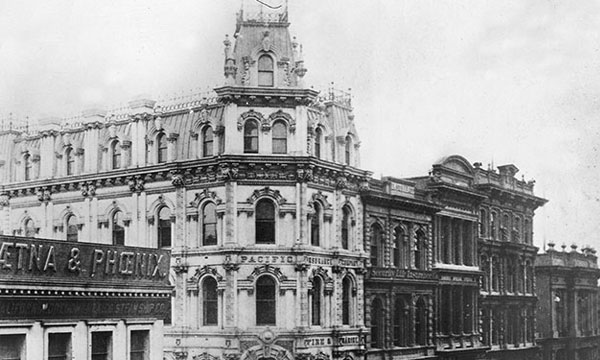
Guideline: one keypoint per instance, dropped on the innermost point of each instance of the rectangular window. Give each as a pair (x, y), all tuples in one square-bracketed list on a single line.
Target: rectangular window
[(12, 347), (138, 349), (59, 346), (102, 345)]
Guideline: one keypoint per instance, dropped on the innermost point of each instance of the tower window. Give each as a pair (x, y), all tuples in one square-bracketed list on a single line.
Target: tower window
[(116, 155), (265, 222), (251, 137), (207, 142), (161, 155), (72, 231), (70, 161), (210, 302), (164, 227), (118, 229), (318, 140), (265, 301), (265, 71), (28, 167), (279, 138), (348, 149), (209, 224)]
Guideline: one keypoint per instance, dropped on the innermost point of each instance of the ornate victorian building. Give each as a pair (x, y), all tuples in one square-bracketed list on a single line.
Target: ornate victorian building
[(255, 190), (567, 320)]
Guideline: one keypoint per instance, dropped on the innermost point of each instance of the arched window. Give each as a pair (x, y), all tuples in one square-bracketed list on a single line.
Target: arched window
[(346, 293), (517, 229), (118, 228), (316, 301), (496, 274), (505, 228), (421, 322), (485, 279), (279, 138), (29, 228), (251, 137), (348, 149), (265, 301), (315, 225), (400, 322), (72, 230), (116, 155), (207, 142), (398, 246), (265, 222), (376, 243), (346, 227), (420, 252), (209, 224), (529, 277), (164, 227), (318, 140), (70, 158), (482, 223), (377, 323), (493, 225), (161, 154), (28, 167), (265, 71), (210, 302), (527, 232)]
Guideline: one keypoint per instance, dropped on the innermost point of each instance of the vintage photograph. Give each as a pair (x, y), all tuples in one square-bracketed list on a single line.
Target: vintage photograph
[(299, 180)]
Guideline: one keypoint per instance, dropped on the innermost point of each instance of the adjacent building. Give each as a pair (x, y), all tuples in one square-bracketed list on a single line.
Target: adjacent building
[(567, 287), (76, 300)]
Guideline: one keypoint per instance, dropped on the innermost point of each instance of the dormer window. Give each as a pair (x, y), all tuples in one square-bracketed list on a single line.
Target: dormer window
[(70, 161), (265, 71)]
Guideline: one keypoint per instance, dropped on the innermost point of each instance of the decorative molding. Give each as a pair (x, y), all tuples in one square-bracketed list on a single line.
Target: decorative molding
[(203, 195), (267, 191), (267, 269), (280, 114), (253, 115)]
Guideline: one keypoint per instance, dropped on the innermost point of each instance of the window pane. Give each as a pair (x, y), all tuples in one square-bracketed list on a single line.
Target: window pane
[(29, 228), (210, 301), (265, 222), (265, 62), (72, 230), (70, 161), (164, 227), (279, 138), (139, 345), (59, 346), (207, 142), (12, 347), (346, 288), (318, 135), (315, 228), (251, 137), (316, 302), (102, 345), (162, 148), (118, 229), (345, 227), (116, 155), (209, 224), (265, 301)]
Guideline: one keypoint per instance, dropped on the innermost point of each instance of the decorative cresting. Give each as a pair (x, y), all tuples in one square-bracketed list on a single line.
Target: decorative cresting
[(281, 115), (283, 206), (253, 115), (284, 283), (267, 351), (327, 280), (194, 281)]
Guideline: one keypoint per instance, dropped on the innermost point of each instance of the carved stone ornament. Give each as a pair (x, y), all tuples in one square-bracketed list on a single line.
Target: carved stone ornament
[(4, 199), (136, 183), (253, 115), (318, 196), (200, 272), (44, 194), (304, 174), (228, 172), (205, 356), (267, 269), (203, 195), (177, 179), (280, 114), (267, 191)]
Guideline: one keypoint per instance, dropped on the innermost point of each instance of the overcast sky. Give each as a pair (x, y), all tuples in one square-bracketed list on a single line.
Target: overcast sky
[(495, 81)]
